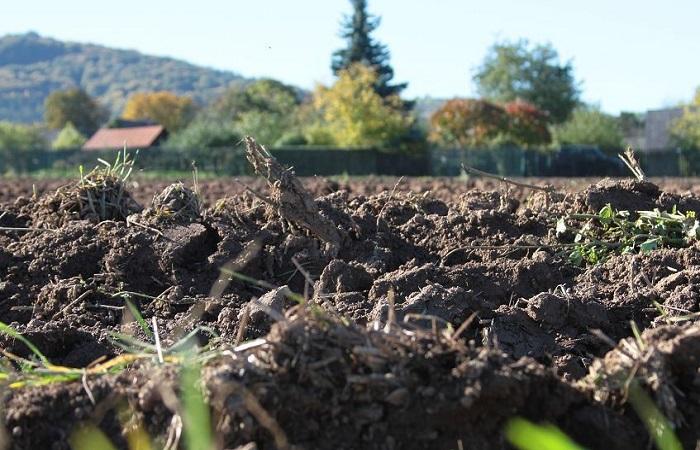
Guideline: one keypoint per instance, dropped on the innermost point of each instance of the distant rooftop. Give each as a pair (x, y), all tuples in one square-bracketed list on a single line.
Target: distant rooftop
[(133, 137)]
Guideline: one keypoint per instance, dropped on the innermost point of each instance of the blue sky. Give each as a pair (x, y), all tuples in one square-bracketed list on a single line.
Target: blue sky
[(629, 55)]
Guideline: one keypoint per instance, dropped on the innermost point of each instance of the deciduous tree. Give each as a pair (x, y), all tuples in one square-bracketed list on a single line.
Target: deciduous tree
[(518, 71), (74, 106), (527, 125), (685, 131), (264, 95), (265, 109), (590, 126), (353, 114), (465, 123), (172, 111)]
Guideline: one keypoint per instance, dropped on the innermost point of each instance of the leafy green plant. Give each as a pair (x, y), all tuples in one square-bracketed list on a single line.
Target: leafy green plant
[(596, 236)]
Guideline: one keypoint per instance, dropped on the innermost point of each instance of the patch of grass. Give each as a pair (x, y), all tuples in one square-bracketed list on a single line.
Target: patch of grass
[(596, 236), (177, 201), (9, 331), (40, 371)]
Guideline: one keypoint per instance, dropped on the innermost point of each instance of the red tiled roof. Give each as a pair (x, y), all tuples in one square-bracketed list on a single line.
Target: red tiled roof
[(116, 138)]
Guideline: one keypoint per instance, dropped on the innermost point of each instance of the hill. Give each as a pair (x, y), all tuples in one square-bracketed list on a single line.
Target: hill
[(32, 66)]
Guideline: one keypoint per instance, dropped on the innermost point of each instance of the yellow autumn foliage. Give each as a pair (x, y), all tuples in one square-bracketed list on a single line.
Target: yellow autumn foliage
[(172, 111), (685, 131), (352, 114)]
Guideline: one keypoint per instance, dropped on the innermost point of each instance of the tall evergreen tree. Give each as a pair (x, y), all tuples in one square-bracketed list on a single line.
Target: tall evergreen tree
[(363, 49)]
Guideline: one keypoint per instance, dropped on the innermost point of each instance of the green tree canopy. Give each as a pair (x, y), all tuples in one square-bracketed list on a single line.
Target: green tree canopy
[(69, 137), (205, 133), (74, 106), (264, 95), (265, 109), (589, 126), (363, 49), (518, 71)]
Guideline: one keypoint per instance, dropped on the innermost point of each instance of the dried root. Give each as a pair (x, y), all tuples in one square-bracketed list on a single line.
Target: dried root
[(289, 198)]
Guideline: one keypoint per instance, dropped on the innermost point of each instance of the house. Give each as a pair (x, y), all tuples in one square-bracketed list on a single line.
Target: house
[(132, 137)]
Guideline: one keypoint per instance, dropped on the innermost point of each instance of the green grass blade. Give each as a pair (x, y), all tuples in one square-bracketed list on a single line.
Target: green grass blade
[(196, 416), (89, 437), (526, 435), (657, 424), (138, 317), (131, 344), (8, 330)]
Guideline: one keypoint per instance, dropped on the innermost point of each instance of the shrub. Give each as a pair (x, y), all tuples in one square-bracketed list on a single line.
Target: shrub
[(291, 138), (589, 126), (69, 137), (467, 123), (205, 134), (527, 125), (16, 137)]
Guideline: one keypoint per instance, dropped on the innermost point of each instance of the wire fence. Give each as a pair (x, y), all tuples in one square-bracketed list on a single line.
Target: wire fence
[(565, 162)]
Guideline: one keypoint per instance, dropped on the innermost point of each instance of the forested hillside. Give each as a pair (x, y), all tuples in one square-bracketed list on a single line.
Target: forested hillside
[(32, 66)]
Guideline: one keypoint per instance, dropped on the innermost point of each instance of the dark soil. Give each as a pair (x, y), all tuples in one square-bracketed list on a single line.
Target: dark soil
[(371, 362)]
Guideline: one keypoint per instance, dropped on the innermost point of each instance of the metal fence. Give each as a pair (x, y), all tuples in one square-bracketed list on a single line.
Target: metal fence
[(332, 161)]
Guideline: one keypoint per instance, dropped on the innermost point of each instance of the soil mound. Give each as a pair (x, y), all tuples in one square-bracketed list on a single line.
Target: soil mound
[(98, 196)]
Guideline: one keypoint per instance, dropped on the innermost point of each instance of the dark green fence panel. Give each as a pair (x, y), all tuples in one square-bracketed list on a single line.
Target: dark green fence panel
[(415, 164), (308, 161), (665, 164), (324, 162), (504, 161)]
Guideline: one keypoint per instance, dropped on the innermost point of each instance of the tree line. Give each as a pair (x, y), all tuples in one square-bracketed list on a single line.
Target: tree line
[(527, 98)]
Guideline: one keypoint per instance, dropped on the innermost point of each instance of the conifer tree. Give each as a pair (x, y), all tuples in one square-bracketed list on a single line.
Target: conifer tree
[(362, 48)]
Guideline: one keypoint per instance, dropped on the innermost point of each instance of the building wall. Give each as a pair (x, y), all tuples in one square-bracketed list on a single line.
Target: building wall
[(657, 128)]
